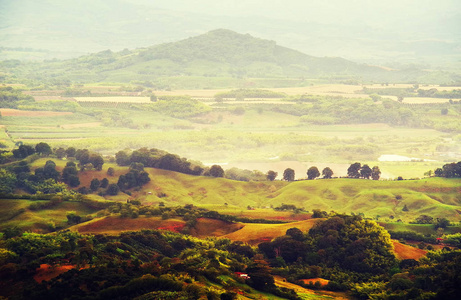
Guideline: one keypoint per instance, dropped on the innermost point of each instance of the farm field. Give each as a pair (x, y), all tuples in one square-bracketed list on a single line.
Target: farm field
[(238, 140)]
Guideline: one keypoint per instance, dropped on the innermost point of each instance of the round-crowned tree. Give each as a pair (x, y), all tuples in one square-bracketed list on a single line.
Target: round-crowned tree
[(216, 171), (313, 173), (289, 174), (271, 175), (327, 173)]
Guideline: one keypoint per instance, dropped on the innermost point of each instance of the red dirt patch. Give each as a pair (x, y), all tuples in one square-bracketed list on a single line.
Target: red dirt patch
[(9, 112), (403, 251), (322, 281), (257, 233), (114, 225), (211, 227), (47, 272)]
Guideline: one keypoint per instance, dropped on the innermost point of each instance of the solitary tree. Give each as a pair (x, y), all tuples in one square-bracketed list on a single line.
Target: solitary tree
[(216, 171), (271, 175), (365, 172), (353, 170), (313, 173), (327, 173), (110, 171), (375, 173), (289, 174)]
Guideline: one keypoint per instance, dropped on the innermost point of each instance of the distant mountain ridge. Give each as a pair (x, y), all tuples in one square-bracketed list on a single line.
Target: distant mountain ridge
[(226, 46), (219, 53)]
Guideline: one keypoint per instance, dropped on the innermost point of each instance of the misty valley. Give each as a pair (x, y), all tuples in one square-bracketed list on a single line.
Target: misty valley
[(226, 166)]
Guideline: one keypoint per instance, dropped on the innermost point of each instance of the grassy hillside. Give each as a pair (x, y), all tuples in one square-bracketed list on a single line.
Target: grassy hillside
[(435, 196), (384, 200), (17, 213)]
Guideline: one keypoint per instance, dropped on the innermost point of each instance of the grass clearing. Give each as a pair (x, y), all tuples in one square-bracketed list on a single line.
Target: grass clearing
[(40, 220)]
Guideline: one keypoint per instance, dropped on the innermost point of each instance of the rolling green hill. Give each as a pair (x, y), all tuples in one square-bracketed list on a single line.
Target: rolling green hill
[(437, 197)]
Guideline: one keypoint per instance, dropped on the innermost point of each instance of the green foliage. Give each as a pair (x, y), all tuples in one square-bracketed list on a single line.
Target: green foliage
[(52, 105), (450, 170), (369, 290), (412, 236), (12, 98), (245, 175), (347, 242), (453, 240), (158, 159), (179, 107), (7, 182), (134, 178)]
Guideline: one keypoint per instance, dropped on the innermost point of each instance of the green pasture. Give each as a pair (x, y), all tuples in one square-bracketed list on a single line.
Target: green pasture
[(381, 200), (425, 229), (39, 219)]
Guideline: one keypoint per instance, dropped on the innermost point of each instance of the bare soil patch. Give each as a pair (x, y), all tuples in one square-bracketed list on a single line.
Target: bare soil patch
[(81, 125), (47, 272), (211, 227), (254, 234), (281, 282), (115, 225), (403, 251), (10, 112), (314, 280)]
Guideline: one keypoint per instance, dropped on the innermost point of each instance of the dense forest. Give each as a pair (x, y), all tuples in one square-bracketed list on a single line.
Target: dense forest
[(353, 254)]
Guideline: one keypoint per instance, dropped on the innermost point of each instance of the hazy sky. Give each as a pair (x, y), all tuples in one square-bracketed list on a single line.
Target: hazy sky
[(323, 11), (349, 28)]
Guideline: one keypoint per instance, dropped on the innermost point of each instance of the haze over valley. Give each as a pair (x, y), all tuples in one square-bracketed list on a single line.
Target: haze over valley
[(230, 149)]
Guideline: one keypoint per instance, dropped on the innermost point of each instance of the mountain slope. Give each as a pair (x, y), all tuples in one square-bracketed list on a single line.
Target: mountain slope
[(218, 53)]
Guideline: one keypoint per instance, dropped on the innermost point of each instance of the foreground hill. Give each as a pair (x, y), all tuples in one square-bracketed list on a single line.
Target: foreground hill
[(437, 197), (250, 233)]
